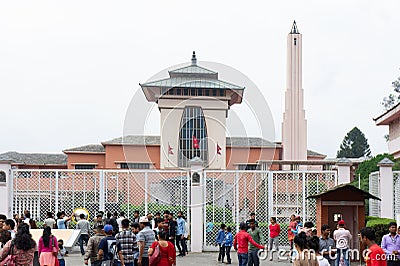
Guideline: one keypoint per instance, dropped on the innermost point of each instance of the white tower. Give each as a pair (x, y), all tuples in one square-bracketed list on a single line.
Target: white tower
[(294, 126)]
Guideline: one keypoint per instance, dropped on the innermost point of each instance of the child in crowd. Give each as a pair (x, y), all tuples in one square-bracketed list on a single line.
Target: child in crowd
[(274, 231), (227, 244), (62, 252), (218, 241), (9, 225)]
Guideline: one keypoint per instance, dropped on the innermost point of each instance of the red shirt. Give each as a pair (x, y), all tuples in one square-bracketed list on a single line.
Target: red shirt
[(241, 242), (274, 230), (376, 256)]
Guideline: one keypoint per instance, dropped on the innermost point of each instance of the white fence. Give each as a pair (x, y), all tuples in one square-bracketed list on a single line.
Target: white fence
[(375, 189), (229, 196)]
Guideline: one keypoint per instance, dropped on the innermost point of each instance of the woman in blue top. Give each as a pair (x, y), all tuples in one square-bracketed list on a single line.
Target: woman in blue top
[(219, 240), (228, 244)]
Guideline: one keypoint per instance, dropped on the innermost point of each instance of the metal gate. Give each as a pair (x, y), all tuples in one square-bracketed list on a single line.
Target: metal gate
[(40, 191), (229, 196)]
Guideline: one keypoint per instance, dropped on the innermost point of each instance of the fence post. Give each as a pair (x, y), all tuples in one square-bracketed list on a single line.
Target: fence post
[(270, 194), (343, 165), (197, 211), (237, 200), (386, 186), (304, 195), (10, 182), (204, 184), (56, 197), (145, 193), (102, 192)]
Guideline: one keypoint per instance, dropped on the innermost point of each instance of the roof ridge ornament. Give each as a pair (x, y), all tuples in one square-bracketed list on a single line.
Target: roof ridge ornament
[(294, 28), (194, 60)]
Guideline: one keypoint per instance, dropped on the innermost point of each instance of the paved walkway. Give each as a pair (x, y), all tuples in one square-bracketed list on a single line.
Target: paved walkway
[(203, 259)]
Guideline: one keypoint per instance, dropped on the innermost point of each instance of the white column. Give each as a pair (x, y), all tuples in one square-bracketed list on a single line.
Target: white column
[(196, 206), (386, 184), (6, 189), (343, 165)]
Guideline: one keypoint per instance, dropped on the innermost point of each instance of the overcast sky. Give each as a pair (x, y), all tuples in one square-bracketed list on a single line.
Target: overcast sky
[(68, 69)]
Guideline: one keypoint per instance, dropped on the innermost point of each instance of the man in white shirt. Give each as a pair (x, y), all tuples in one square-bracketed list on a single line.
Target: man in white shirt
[(84, 225), (343, 238), (119, 220)]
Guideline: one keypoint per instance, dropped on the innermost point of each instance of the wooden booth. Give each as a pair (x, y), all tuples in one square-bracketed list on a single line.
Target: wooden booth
[(343, 202)]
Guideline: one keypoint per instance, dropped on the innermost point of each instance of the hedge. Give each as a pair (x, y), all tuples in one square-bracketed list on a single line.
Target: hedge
[(380, 225)]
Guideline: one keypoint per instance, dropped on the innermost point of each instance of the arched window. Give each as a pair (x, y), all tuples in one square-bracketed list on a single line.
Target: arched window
[(193, 126), (2, 177)]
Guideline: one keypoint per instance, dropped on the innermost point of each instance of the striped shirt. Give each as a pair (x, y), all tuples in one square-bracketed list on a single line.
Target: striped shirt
[(128, 244), (146, 235)]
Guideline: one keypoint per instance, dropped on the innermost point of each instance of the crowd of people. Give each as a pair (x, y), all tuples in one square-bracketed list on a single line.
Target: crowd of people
[(116, 240), (113, 239), (306, 247)]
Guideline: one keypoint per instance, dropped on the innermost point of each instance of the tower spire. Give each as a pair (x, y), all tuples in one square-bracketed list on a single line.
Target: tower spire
[(194, 60), (294, 126), (294, 28)]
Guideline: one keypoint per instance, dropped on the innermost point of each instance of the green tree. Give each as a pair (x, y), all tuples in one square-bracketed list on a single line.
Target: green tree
[(354, 145), (393, 98), (366, 168)]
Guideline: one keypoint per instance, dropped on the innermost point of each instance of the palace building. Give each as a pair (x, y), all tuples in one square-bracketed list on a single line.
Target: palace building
[(194, 104)]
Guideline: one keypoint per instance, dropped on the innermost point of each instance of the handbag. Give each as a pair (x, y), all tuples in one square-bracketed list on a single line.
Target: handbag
[(156, 256), (55, 248), (10, 259)]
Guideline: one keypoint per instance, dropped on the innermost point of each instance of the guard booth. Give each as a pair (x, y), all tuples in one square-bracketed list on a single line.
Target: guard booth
[(343, 202)]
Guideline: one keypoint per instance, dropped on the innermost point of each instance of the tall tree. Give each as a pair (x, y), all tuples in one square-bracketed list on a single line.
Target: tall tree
[(393, 98), (354, 145)]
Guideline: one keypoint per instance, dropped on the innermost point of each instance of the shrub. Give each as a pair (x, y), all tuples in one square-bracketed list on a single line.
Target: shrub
[(380, 225)]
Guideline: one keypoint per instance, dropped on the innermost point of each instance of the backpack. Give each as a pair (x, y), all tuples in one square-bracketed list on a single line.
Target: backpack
[(112, 251)]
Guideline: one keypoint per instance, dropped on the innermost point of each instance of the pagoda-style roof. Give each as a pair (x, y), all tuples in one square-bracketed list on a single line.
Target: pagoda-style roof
[(344, 189), (192, 81)]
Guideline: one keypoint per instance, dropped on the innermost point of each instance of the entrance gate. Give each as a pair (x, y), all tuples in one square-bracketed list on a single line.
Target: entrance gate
[(229, 196)]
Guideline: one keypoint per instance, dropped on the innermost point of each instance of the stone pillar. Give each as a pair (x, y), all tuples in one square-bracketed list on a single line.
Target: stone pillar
[(196, 207), (343, 165), (386, 185), (6, 189)]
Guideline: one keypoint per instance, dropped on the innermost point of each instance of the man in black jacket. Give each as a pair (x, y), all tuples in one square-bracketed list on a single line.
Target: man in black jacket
[(172, 228)]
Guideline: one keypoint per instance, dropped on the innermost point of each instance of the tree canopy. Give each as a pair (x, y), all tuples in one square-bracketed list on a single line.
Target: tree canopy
[(369, 166), (354, 145), (394, 97)]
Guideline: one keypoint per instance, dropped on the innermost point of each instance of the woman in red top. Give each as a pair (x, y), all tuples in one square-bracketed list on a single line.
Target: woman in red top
[(167, 250), (291, 235), (274, 230)]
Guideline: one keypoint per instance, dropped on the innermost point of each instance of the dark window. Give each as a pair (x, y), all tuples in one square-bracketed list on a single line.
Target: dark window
[(207, 93), (186, 92), (2, 177), (221, 92), (135, 166), (192, 124), (193, 92), (200, 92), (84, 166), (295, 41), (250, 167), (214, 92), (178, 91)]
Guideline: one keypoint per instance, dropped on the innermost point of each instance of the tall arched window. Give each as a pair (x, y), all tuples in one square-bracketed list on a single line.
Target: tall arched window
[(193, 127)]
